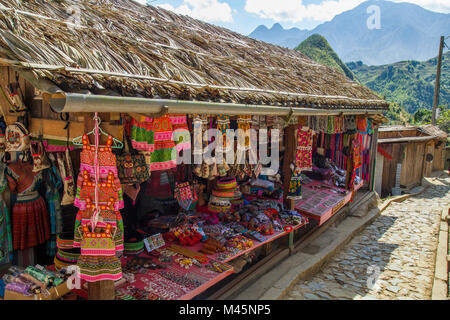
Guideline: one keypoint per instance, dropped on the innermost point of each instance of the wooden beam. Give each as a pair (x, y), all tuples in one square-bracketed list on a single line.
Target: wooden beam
[(406, 139), (54, 129)]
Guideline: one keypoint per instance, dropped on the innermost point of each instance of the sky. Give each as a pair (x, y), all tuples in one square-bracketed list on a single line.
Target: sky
[(244, 16)]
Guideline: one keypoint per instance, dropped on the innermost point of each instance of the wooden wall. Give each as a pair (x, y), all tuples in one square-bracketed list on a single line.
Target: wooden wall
[(42, 118), (412, 158), (439, 162)]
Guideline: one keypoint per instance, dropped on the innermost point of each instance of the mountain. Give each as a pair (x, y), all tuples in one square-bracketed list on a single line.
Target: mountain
[(408, 32), (408, 83), (288, 38), (318, 49)]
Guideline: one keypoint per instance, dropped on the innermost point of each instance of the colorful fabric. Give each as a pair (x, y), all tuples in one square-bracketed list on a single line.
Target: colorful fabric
[(349, 123), (31, 225), (185, 195), (31, 222), (165, 156), (143, 135), (53, 184), (181, 134), (303, 159), (105, 155), (110, 217), (295, 187), (97, 268), (6, 246)]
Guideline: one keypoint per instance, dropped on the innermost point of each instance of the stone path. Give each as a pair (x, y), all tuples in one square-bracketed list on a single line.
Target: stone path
[(393, 258)]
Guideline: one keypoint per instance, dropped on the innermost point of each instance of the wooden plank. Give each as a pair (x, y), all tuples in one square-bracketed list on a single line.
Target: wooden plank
[(405, 139), (54, 129), (101, 290)]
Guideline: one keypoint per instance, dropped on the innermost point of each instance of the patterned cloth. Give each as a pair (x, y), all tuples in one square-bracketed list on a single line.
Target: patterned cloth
[(165, 156), (99, 249), (295, 187), (303, 159), (143, 135), (108, 168), (181, 134), (6, 246), (31, 222), (53, 184)]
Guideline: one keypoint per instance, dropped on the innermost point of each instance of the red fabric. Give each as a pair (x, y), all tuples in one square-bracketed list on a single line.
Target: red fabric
[(31, 224)]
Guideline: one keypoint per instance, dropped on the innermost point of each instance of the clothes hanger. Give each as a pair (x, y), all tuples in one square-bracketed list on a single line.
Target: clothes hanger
[(117, 144)]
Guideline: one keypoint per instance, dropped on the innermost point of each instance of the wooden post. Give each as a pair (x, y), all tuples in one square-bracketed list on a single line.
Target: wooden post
[(100, 290), (437, 85), (289, 154)]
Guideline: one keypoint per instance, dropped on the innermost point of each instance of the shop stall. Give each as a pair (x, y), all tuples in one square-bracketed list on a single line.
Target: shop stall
[(122, 181)]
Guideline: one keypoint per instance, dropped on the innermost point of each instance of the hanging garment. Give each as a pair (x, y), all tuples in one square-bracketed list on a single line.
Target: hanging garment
[(106, 215), (98, 260), (107, 168), (142, 134), (17, 137), (66, 170), (357, 151), (40, 160), (349, 123), (53, 184), (295, 188), (31, 222), (303, 159), (181, 134), (6, 246), (185, 195), (165, 156)]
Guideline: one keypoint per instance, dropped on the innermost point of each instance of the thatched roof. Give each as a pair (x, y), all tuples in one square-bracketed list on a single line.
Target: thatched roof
[(145, 51), (433, 131)]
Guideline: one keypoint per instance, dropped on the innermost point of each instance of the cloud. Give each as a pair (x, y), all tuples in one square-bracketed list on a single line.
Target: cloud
[(296, 11), (206, 10)]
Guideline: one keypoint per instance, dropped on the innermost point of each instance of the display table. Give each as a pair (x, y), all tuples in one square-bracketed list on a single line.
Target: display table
[(321, 201)]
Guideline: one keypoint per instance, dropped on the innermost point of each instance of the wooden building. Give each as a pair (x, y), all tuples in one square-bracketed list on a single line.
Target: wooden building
[(406, 154)]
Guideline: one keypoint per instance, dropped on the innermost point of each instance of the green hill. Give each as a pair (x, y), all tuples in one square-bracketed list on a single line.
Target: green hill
[(318, 49), (407, 83)]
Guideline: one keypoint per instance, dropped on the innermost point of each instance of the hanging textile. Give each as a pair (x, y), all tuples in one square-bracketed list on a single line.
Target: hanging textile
[(107, 168), (31, 222), (142, 134), (303, 159), (165, 156), (349, 123), (98, 260), (98, 226), (6, 245), (243, 138), (53, 184), (295, 185), (181, 134)]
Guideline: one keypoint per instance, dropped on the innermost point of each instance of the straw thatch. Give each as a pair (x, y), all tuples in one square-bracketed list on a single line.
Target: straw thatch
[(145, 51), (433, 131)]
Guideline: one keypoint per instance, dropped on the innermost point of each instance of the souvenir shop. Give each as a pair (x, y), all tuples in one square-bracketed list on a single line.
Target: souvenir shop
[(114, 201)]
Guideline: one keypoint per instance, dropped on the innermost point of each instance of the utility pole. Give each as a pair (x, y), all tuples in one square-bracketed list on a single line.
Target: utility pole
[(437, 85)]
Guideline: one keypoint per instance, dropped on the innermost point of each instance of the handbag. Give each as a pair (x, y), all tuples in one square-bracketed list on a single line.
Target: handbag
[(40, 160), (98, 243), (185, 195), (67, 177), (132, 166), (17, 137)]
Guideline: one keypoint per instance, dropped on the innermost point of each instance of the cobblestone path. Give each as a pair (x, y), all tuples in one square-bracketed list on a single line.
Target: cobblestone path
[(393, 258)]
